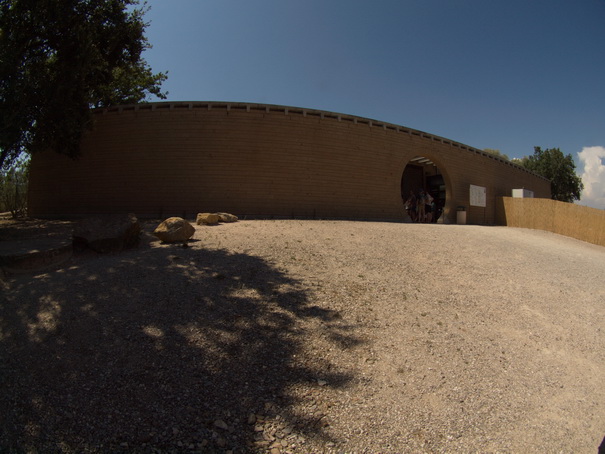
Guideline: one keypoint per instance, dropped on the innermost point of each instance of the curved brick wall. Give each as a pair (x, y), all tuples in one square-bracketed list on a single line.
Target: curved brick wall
[(165, 159)]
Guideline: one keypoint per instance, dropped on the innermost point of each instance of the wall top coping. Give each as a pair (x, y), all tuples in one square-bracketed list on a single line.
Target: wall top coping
[(291, 110)]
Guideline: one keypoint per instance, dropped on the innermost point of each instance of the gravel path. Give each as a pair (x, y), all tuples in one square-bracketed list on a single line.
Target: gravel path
[(311, 336)]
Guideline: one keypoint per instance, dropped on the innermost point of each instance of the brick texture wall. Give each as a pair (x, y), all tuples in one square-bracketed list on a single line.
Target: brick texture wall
[(166, 159)]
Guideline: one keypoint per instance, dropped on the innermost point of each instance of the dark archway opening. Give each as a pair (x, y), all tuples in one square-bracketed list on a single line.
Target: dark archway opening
[(423, 191)]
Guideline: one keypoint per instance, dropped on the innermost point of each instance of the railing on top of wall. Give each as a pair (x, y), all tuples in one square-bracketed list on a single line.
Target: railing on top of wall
[(576, 221), (287, 110)]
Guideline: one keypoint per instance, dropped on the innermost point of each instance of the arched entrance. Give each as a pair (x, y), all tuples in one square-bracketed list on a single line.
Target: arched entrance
[(423, 180)]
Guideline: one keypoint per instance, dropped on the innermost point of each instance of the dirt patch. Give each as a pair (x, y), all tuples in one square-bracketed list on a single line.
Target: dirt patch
[(311, 336)]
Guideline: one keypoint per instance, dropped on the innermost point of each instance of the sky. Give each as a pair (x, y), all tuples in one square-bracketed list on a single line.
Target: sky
[(506, 75)]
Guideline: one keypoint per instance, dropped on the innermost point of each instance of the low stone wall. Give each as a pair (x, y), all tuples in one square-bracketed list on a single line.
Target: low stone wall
[(576, 221)]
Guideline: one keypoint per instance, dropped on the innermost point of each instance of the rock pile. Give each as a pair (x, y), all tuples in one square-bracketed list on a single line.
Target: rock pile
[(214, 218), (207, 219), (227, 217)]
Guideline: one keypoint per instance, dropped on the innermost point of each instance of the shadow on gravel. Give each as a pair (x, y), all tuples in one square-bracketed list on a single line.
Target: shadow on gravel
[(173, 357), (15, 229)]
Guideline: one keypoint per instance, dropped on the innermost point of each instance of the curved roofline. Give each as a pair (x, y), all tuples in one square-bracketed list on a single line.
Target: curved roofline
[(305, 111)]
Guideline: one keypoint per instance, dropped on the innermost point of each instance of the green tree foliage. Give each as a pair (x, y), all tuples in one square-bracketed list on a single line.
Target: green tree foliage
[(497, 153), (13, 187), (59, 59), (560, 169)]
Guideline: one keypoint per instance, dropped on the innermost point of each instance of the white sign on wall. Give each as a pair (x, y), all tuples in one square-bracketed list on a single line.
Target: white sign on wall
[(478, 196), (523, 193)]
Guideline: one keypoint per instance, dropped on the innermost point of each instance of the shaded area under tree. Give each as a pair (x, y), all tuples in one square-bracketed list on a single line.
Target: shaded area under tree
[(159, 352)]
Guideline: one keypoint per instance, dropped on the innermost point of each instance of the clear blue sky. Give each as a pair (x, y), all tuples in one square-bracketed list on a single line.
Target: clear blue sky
[(496, 74)]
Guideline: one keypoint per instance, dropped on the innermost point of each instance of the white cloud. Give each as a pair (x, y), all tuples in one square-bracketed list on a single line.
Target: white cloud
[(593, 176)]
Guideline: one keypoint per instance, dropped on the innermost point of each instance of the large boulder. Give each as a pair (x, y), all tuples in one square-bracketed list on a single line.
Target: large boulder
[(108, 233), (174, 230), (227, 217), (207, 219)]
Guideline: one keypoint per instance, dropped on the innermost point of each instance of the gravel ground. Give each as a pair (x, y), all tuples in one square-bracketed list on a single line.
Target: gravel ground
[(311, 336)]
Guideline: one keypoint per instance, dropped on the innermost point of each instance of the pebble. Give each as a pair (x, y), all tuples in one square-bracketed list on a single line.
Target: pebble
[(146, 438), (221, 424)]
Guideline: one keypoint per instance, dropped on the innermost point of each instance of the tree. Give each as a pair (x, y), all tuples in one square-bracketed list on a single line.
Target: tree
[(560, 169), (61, 58), (497, 153), (13, 187)]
